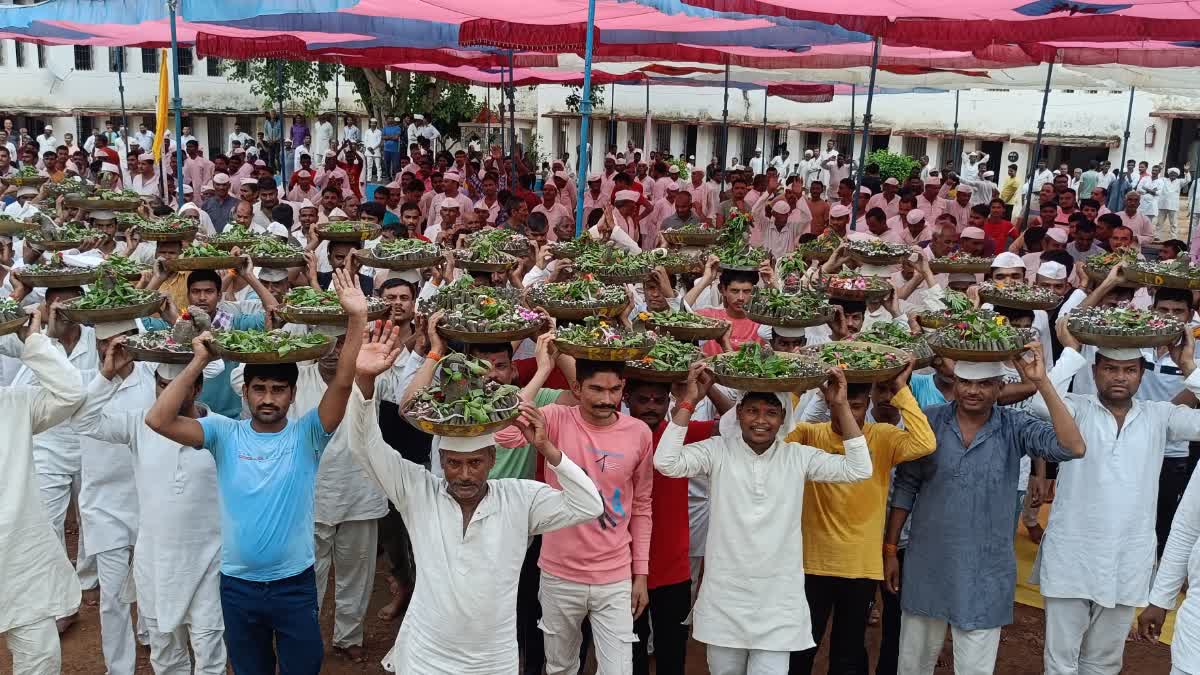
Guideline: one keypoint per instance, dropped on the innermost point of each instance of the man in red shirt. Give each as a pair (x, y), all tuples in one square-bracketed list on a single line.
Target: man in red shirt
[(735, 288), (669, 580), (996, 226)]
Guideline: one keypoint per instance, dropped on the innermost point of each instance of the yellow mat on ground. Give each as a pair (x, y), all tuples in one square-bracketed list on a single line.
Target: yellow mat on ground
[(1028, 593)]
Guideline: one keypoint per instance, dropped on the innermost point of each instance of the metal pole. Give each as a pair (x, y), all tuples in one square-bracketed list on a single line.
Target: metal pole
[(866, 134), (1125, 142), (724, 130), (283, 175), (954, 139), (853, 96), (1037, 145), (512, 114), (121, 89), (1192, 195), (178, 102), (585, 117), (487, 123), (337, 107), (612, 116), (766, 145)]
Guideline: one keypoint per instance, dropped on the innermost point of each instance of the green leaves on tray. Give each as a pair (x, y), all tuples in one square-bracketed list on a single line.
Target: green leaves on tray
[(9, 309), (271, 247), (201, 250), (755, 360), (596, 332), (669, 355), (261, 342), (767, 301), (119, 293), (405, 248), (581, 292)]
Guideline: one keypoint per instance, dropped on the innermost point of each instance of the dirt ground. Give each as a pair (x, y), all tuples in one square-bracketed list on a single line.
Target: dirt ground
[(1020, 644)]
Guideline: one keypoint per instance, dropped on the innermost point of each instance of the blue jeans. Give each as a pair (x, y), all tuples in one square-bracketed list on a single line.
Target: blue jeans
[(391, 164), (263, 618)]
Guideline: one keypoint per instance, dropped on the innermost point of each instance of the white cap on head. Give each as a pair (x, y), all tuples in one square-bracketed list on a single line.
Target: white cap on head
[(674, 168), (189, 207), (787, 332), (259, 163), (110, 328), (1008, 259), (673, 186), (419, 117), (145, 157), (338, 213), (307, 205), (989, 174), (621, 161), (220, 179), (891, 181), (27, 191), (973, 370), (238, 151), (330, 153), (465, 444), (1120, 354), (781, 207), (593, 176), (109, 167), (272, 274), (372, 120), (964, 188), (1173, 170), (1052, 270), (100, 215), (933, 181), (49, 128), (303, 173), (452, 175), (864, 190), (610, 156), (972, 233), (249, 181), (839, 211), (915, 216), (1057, 234), (447, 204), (562, 174), (187, 190), (626, 196), (169, 371)]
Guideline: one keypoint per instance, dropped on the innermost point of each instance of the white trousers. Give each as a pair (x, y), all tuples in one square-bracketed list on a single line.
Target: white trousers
[(733, 661), (565, 604), (1165, 223), (35, 648), (921, 640), (1083, 638), (169, 651), (350, 547), (374, 165), (117, 639)]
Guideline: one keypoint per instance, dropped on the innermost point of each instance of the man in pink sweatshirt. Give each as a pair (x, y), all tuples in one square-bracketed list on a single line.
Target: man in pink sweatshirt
[(597, 570)]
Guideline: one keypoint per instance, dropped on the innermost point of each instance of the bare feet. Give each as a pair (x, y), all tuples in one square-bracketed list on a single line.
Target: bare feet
[(66, 622), (356, 653), (390, 611), (873, 617), (91, 597)]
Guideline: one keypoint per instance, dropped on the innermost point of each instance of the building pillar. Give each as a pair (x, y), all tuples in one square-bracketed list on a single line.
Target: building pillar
[(599, 134), (678, 139), (706, 145)]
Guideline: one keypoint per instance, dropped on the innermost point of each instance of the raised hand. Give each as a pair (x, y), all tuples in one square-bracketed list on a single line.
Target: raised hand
[(436, 343), (1030, 364), (202, 348), (381, 347), (116, 358), (834, 388), (1183, 353), (532, 424), (349, 293), (546, 351)]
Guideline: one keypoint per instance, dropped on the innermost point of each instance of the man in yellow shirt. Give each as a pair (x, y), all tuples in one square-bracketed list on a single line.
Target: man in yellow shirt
[(843, 524), (1010, 191)]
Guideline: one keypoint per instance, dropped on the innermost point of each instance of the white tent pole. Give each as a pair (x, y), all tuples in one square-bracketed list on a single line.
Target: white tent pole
[(1037, 145)]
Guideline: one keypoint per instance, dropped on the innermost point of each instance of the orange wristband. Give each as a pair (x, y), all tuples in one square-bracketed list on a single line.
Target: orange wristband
[(434, 356), (890, 549), (686, 405)]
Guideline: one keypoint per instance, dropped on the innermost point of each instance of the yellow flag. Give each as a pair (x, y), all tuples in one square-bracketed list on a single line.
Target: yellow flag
[(161, 111)]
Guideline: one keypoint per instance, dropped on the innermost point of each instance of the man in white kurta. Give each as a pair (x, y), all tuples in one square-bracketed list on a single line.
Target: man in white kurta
[(1097, 557), (38, 581), (751, 610), (1180, 564), (347, 510), (177, 556), (462, 617)]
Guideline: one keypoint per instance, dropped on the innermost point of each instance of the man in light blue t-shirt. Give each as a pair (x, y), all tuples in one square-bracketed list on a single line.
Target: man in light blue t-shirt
[(266, 475)]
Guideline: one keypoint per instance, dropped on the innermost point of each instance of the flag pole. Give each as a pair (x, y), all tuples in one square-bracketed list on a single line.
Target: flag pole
[(585, 118), (178, 103)]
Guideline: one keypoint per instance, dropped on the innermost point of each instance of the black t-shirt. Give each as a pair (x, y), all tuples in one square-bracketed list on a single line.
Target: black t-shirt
[(412, 443), (367, 283)]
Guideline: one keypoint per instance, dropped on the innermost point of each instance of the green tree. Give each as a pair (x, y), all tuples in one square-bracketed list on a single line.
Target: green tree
[(381, 92), (892, 165), (574, 99)]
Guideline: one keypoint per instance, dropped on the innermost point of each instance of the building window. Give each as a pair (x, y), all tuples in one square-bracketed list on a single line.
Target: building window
[(149, 60), (662, 138), (185, 61), (41, 54), (637, 133), (242, 69), (83, 57), (842, 143), (20, 52), (914, 146), (951, 150), (116, 60), (212, 65), (745, 150), (880, 141)]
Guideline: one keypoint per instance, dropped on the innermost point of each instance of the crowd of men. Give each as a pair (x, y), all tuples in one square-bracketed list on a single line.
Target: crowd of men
[(613, 508)]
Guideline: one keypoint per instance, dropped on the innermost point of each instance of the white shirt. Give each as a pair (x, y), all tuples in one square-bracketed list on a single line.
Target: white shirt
[(1100, 543), (372, 138), (46, 143), (302, 149), (748, 600), (619, 237), (970, 170), (322, 135), (460, 619), (177, 558), (145, 139), (147, 187), (239, 136), (756, 165), (1180, 561), (1150, 189), (352, 133), (39, 580), (1168, 196)]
